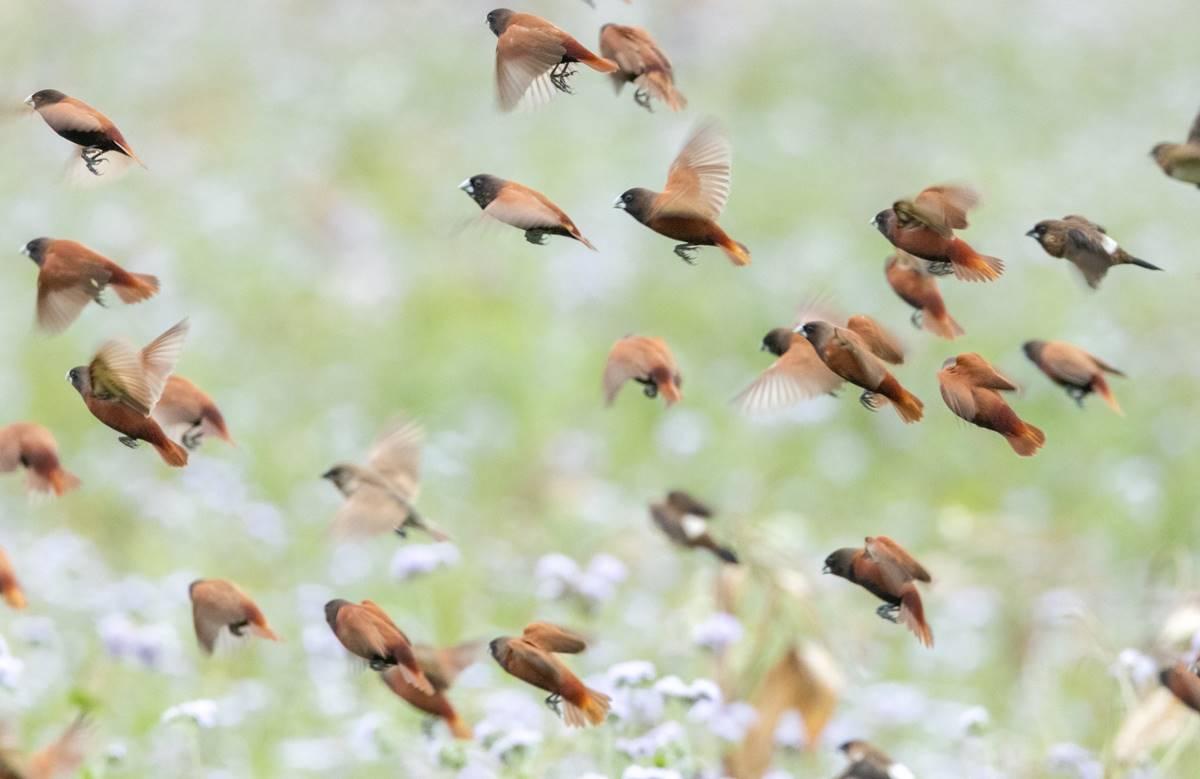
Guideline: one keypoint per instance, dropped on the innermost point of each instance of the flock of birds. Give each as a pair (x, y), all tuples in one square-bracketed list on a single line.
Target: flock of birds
[(136, 392)]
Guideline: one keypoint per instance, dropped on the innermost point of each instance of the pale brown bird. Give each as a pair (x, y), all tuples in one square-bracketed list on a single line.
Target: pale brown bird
[(924, 226), (369, 633), (219, 605), (1073, 369), (531, 659), (1084, 244), (32, 447), (971, 388), (522, 207), (380, 494), (868, 762), (649, 362), (70, 276), (911, 280), (10, 588), (889, 572), (640, 60), (93, 132), (122, 384), (184, 405), (1181, 160), (441, 666), (852, 353), (797, 375), (60, 759), (684, 520), (1183, 684)]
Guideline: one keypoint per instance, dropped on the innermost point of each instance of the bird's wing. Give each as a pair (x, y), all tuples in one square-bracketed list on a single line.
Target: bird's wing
[(370, 510), (524, 57), (58, 307), (378, 613), (668, 522), (797, 376), (522, 207), (849, 355), (160, 356), (882, 549), (686, 504), (396, 456), (553, 638), (1089, 250), (71, 116), (117, 374), (876, 337), (983, 374), (1070, 363), (699, 179), (958, 393)]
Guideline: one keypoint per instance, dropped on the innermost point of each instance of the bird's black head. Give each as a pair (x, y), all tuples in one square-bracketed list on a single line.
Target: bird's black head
[(1159, 149), (840, 562), (777, 341), (332, 608), (636, 202), (78, 376), (498, 19), (1038, 231), (1032, 349), (884, 220), (44, 97), (498, 647), (36, 249), (482, 188)]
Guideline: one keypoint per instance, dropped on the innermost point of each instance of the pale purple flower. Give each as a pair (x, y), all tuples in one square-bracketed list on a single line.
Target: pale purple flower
[(514, 743), (717, 632), (698, 690), (154, 646), (729, 722), (652, 742), (790, 733), (11, 668), (419, 559), (644, 772), (1075, 759), (202, 712), (632, 673)]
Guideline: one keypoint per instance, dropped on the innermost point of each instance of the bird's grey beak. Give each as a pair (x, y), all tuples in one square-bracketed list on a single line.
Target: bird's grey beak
[(826, 570), (949, 361), (328, 474), (25, 250), (1032, 233), (762, 347), (466, 187), (29, 101), (619, 203)]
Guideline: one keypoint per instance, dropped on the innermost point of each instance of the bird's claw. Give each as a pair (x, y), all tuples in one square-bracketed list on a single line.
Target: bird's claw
[(918, 318), (649, 388), (400, 531), (552, 702), (888, 611), (687, 252), (192, 437), (940, 268), (642, 98), (559, 75), (379, 664), (869, 400), (237, 628), (130, 442), (92, 157), (536, 237)]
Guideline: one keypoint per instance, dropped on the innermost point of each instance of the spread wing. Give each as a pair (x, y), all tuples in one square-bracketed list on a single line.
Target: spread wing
[(369, 511), (882, 549), (552, 638), (668, 522), (797, 376), (524, 58), (59, 306), (117, 375), (396, 455), (522, 207), (699, 179), (942, 208), (876, 338), (159, 357)]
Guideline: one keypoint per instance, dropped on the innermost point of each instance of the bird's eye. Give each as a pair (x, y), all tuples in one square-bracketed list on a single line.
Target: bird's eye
[(626, 197)]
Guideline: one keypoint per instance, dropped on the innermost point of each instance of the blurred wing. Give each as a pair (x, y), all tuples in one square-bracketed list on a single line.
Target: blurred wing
[(1069, 363), (117, 374), (947, 204), (522, 207), (699, 179), (368, 511), (958, 393), (876, 338), (797, 376), (68, 116), (667, 522), (883, 549), (58, 308), (450, 661), (396, 455), (553, 638), (378, 613), (160, 356), (848, 346), (983, 374), (629, 358), (1090, 255), (685, 503), (524, 57)]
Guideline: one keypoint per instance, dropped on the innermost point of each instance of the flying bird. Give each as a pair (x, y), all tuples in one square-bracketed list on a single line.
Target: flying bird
[(911, 280), (867, 762), (1183, 684), (70, 275), (221, 605), (854, 357), (640, 60), (925, 225), (533, 58), (1073, 369), (1084, 244), (524, 208), (93, 132), (684, 520), (697, 189), (440, 666), (10, 588), (184, 405), (32, 447), (531, 658), (60, 759), (380, 495), (971, 388), (121, 385), (646, 360), (1181, 160), (887, 571), (367, 632)]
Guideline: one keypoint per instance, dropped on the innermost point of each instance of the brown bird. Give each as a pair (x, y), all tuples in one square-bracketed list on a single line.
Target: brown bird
[(531, 659), (695, 195), (684, 520), (10, 588), (1183, 684), (641, 61), (532, 55), (646, 360), (121, 385), (848, 354), (60, 759), (524, 208), (32, 447), (441, 667), (1085, 244), (380, 495), (888, 572), (925, 225), (867, 762), (93, 132), (911, 280), (183, 404), (1073, 369), (219, 604), (369, 633), (971, 388), (71, 275), (1181, 160)]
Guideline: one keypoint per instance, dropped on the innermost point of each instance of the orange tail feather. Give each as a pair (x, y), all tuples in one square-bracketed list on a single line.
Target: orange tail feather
[(737, 253), (138, 287), (1101, 388), (458, 728), (172, 453), (941, 324), (912, 614), (1027, 440), (591, 708), (970, 265), (908, 406)]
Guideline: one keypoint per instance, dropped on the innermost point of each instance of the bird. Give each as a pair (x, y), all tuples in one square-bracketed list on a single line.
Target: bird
[(60, 759), (531, 658), (649, 362), (219, 605), (524, 208), (971, 388), (868, 762), (1183, 683), (121, 385), (684, 520), (76, 121), (533, 57), (440, 666), (911, 280), (380, 495), (1074, 369), (640, 60), (70, 275), (367, 632), (925, 225), (848, 354), (1084, 244), (30, 446), (1181, 160), (887, 571), (695, 194), (185, 405), (10, 588)]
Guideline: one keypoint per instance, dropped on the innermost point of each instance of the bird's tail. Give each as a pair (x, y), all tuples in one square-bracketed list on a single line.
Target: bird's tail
[(591, 708), (1142, 263), (599, 64), (211, 415), (260, 628), (1026, 440), (418, 521), (136, 287), (11, 591), (938, 321), (458, 728), (172, 453), (51, 477), (970, 265), (658, 84), (737, 253), (578, 236), (912, 614), (908, 406), (1101, 388), (723, 552), (412, 674)]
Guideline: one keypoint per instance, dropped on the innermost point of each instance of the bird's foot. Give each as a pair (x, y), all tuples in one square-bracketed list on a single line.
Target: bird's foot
[(380, 664), (1077, 395), (238, 628), (941, 268), (427, 726), (400, 531), (192, 437), (888, 611), (918, 318), (559, 75), (536, 237), (130, 442), (687, 252), (642, 98), (870, 400), (649, 388), (552, 703), (92, 157)]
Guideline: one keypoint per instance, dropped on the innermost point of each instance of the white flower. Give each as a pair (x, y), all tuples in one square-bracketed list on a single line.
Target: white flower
[(643, 772), (514, 742), (417, 559), (203, 712), (608, 568), (631, 673), (974, 720), (1074, 758), (652, 742), (729, 722), (700, 689), (11, 669), (1140, 667), (717, 632)]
